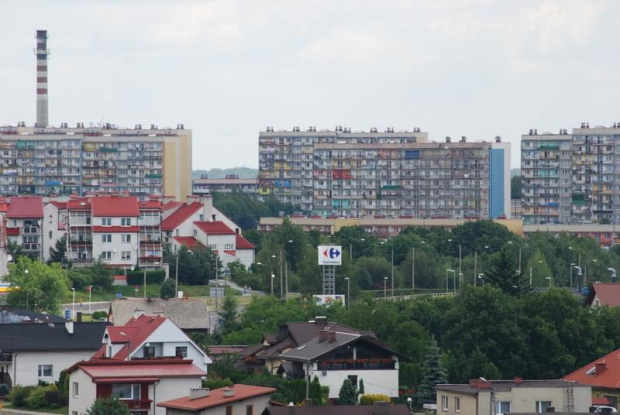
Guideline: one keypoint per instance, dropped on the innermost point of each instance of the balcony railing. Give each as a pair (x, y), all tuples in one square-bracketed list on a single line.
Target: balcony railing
[(138, 404), (358, 364)]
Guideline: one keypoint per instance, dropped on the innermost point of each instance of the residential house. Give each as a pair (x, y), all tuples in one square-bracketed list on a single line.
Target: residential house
[(188, 314), (144, 362), (54, 225), (603, 295), (34, 350), (482, 397), (24, 222), (602, 375), (237, 399), (379, 408)]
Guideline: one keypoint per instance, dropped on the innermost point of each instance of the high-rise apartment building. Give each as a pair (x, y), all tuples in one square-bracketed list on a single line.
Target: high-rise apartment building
[(571, 178), (384, 174), (85, 160)]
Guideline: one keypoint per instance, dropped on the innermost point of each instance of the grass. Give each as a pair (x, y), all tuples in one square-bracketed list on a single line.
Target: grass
[(62, 410)]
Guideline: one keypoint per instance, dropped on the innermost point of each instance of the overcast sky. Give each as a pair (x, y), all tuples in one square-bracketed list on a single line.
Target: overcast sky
[(229, 68)]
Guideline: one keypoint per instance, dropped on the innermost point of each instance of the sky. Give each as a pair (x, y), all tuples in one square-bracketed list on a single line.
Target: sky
[(227, 69)]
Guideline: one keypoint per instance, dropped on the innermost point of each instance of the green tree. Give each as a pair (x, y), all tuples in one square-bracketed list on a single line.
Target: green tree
[(168, 289), (228, 316), (515, 187), (361, 389), (347, 394), (434, 374), (103, 406), (504, 274), (58, 253), (43, 287)]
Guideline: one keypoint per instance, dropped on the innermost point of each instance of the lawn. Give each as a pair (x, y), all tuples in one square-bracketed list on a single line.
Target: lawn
[(61, 410)]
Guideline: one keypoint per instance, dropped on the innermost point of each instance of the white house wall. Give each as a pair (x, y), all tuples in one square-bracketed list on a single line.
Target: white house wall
[(260, 403), (25, 367), (50, 227), (383, 382), (245, 256), (87, 392), (171, 388)]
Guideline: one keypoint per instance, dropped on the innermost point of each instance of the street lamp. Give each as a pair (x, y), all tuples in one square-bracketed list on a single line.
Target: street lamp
[(272, 278), (549, 278), (413, 268), (385, 288), (570, 279), (613, 274), (90, 297), (351, 248), (518, 270), (481, 277), (73, 305), (392, 249), (460, 256), (348, 290), (579, 274), (447, 284)]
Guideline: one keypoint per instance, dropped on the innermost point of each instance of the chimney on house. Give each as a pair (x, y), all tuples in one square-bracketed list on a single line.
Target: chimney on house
[(207, 206), (191, 199), (197, 393), (69, 326), (167, 199), (320, 321), (600, 367), (322, 336), (331, 336), (137, 313), (228, 392)]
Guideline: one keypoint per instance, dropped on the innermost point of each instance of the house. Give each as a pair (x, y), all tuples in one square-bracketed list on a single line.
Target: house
[(334, 356), (602, 375), (510, 396), (602, 294), (379, 408), (32, 351), (238, 399), (24, 223), (266, 355), (189, 314), (141, 384), (148, 337)]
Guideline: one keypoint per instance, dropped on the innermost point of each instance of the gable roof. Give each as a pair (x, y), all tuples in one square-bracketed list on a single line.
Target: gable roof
[(375, 409), (216, 398), (115, 206), (603, 372), (185, 313), (475, 386), (82, 203), (607, 293), (133, 334), (9, 315), (50, 337), (214, 228), (111, 371), (183, 213), (25, 207), (171, 205), (243, 243), (188, 241)]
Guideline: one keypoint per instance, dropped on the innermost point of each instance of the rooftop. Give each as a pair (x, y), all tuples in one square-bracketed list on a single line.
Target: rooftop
[(51, 337), (217, 398), (608, 294), (30, 207), (603, 372), (185, 313), (183, 213), (115, 206), (110, 371), (214, 228)]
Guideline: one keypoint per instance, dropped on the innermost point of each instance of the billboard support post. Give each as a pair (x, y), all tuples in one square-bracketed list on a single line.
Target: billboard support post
[(329, 258)]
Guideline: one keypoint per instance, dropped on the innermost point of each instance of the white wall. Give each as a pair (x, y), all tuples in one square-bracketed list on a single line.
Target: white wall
[(87, 392), (171, 388), (375, 381), (25, 368), (116, 244), (524, 399), (245, 256), (50, 209), (239, 407)]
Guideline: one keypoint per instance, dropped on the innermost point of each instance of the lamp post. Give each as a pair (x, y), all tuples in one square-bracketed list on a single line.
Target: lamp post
[(549, 278), (481, 277), (518, 270), (385, 288), (176, 275), (351, 248), (272, 278), (613, 274), (73, 305), (585, 274), (348, 291), (392, 270), (90, 297), (460, 256), (579, 274), (570, 278), (447, 281), (413, 268)]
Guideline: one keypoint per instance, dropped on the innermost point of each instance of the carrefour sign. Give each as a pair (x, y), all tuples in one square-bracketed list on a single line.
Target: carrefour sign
[(330, 255)]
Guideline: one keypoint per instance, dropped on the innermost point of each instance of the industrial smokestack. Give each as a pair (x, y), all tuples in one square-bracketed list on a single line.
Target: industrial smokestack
[(42, 52)]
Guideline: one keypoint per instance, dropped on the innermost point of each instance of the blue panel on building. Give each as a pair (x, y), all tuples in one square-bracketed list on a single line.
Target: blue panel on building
[(496, 183), (412, 154)]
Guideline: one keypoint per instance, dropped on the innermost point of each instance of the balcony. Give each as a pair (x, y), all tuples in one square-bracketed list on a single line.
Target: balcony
[(356, 364), (6, 357), (138, 404)]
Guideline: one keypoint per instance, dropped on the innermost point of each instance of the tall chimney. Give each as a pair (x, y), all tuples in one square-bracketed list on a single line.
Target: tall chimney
[(42, 52)]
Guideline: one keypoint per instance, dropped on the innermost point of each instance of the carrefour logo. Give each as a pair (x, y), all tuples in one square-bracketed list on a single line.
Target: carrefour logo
[(330, 255)]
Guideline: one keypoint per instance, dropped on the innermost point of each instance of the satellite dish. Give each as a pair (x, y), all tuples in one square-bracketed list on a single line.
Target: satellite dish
[(9, 257)]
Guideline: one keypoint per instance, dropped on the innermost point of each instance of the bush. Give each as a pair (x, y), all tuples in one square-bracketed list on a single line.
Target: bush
[(63, 387), (53, 398), (4, 389), (152, 277), (168, 289), (36, 398), (108, 407), (97, 315), (19, 394), (370, 399), (212, 383)]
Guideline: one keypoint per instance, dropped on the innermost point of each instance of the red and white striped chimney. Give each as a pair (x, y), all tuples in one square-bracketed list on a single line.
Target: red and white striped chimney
[(42, 52)]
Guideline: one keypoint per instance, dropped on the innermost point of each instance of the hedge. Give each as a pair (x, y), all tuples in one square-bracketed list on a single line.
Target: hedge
[(152, 277)]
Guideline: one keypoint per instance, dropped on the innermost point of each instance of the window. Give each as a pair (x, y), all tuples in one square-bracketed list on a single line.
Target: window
[(126, 238), (106, 255), (249, 410), (125, 221), (502, 407), (46, 371), (149, 351), (125, 254), (126, 391), (229, 410), (106, 238), (75, 389), (541, 406), (181, 351), (213, 247), (444, 403), (457, 404), (106, 221), (229, 246)]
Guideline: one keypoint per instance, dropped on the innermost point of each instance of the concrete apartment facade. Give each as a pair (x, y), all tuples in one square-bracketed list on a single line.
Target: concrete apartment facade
[(384, 174), (571, 178), (63, 161)]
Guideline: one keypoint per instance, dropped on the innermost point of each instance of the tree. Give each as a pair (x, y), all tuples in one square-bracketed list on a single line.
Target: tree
[(228, 316), (58, 253), (515, 187), (434, 374), (168, 289), (361, 389), (347, 394), (41, 287), (104, 406), (504, 274)]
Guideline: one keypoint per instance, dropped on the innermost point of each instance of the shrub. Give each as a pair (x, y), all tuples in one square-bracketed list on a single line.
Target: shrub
[(370, 399), (108, 407), (152, 277), (63, 387), (4, 389), (19, 394), (53, 398), (97, 315), (36, 398), (212, 383)]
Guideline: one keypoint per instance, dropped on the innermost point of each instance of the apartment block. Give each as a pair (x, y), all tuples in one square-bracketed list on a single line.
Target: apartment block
[(83, 160), (571, 178), (230, 184), (386, 174)]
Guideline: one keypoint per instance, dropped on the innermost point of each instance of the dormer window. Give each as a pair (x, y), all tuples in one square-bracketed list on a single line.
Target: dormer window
[(149, 351)]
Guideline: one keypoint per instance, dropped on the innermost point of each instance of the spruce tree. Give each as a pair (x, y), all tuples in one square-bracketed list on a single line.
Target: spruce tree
[(347, 394), (434, 374)]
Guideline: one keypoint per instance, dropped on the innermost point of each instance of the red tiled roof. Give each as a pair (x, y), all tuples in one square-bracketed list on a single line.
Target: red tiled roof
[(188, 241), (243, 243), (106, 371), (115, 206), (116, 229), (600, 400), (216, 398), (134, 333), (603, 372), (607, 293), (214, 228), (12, 231), (59, 205), (171, 205), (25, 207), (182, 214), (82, 203), (150, 205)]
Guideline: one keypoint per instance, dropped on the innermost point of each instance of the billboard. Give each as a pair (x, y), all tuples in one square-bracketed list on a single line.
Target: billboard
[(330, 255), (329, 299)]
